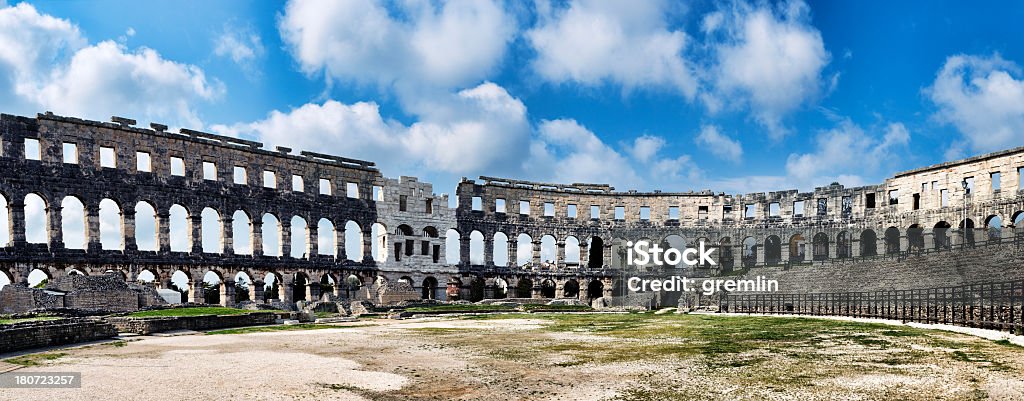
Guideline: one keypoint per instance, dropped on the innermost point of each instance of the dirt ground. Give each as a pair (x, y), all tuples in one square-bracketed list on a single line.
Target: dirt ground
[(547, 357)]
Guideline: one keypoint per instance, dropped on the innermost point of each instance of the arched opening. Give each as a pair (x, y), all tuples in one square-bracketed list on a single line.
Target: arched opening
[(5, 222), (725, 257), (111, 226), (243, 287), (211, 231), (967, 232), (72, 223), (571, 289), (820, 246), (37, 278), (429, 290), (353, 284), (241, 233), (326, 238), (915, 238), (524, 249), (548, 254), (76, 272), (500, 250), (868, 243), (677, 242), (500, 288), (797, 248), (452, 247), (749, 252), (271, 235), (145, 227), (213, 288), (596, 248), (178, 227), (353, 241), (476, 248), (772, 250), (892, 241), (300, 287), (843, 245), (300, 237), (379, 250), (524, 288), (115, 273), (547, 288), (404, 229), (36, 227), (994, 227), (146, 276), (940, 236), (430, 232), (5, 278), (271, 287), (327, 285), (1018, 226), (595, 289), (476, 289), (182, 283), (572, 251)]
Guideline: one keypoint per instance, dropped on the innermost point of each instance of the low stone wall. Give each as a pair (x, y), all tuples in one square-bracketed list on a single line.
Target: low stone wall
[(37, 334), (149, 325)]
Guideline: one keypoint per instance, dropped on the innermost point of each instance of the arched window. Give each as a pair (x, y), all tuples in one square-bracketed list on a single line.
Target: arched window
[(180, 234), (271, 233), (36, 228), (145, 227), (72, 222), (211, 231), (241, 233)]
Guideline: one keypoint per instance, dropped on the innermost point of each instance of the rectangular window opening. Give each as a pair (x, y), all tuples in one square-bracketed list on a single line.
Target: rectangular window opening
[(894, 197), (107, 157), (143, 163), (239, 176), (499, 205), (595, 212), (378, 193), (570, 211), (524, 208), (869, 201), (997, 181), (549, 209), (645, 213), (620, 213), (774, 209), (298, 184), (673, 212), (403, 203), (428, 206), (210, 171), (32, 151), (749, 211), (177, 166), (325, 186), (70, 153), (352, 190), (798, 209), (269, 179)]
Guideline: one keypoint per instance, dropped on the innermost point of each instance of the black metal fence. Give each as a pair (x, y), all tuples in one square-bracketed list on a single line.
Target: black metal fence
[(997, 306)]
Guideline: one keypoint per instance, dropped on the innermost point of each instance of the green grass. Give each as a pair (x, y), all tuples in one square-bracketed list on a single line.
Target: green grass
[(34, 359), (268, 329), (556, 308), (461, 308), (206, 310), (28, 319)]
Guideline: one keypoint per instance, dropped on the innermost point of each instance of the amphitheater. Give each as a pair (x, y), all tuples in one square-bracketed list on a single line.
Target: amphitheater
[(940, 238)]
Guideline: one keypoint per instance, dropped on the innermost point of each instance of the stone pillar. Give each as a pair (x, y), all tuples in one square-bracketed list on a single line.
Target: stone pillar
[(880, 248), (339, 234), (92, 223), (257, 291), (229, 294), (809, 251), (227, 236), (855, 247), (286, 289), (512, 257), (163, 229), (607, 262), (128, 228), (759, 251), (584, 256), (904, 241), (286, 242), (16, 216), (198, 294), (257, 237), (196, 226), (560, 253), (312, 245), (784, 254), (489, 251), (536, 253), (929, 238), (56, 231), (464, 257), (368, 244), (313, 290)]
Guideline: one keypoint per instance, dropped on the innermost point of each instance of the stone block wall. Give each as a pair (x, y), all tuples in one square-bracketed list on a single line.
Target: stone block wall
[(37, 334), (205, 322)]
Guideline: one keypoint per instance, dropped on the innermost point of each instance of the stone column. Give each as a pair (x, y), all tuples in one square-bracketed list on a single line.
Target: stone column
[(759, 251), (607, 256), (128, 228), (257, 237), (536, 252), (904, 241), (339, 234), (16, 217), (55, 228), (855, 247), (489, 251), (198, 294), (92, 223), (196, 226), (809, 251), (560, 253), (286, 289), (929, 238), (257, 291), (313, 245), (584, 256), (313, 290), (464, 249), (880, 248), (227, 236), (286, 241), (229, 293), (784, 254), (368, 244), (163, 228)]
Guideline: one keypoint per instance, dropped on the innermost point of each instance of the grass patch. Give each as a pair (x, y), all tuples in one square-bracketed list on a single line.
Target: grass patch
[(35, 359), (455, 308), (206, 310), (556, 308), (29, 319), (266, 329)]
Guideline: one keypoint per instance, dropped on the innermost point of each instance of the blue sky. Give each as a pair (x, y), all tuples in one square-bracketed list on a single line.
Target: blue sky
[(733, 97)]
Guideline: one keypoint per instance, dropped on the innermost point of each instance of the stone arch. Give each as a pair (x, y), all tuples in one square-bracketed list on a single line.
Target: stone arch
[(595, 289), (452, 247), (476, 248), (892, 241), (915, 238), (547, 288), (327, 285), (116, 273), (500, 288), (212, 231), (429, 289), (147, 235), (548, 252), (772, 250), (476, 288), (299, 231), (430, 232), (214, 288), (148, 276), (725, 256), (994, 228), (326, 238), (179, 232), (844, 247), (749, 252), (572, 251), (379, 233), (241, 233), (5, 221), (272, 286), (797, 248), (500, 251), (244, 287), (36, 221), (1017, 220), (404, 229), (967, 232), (181, 282), (868, 243), (300, 287), (111, 225), (820, 242), (271, 235), (595, 260), (524, 288), (571, 289), (940, 236), (5, 277), (524, 249), (353, 241), (37, 278), (74, 227)]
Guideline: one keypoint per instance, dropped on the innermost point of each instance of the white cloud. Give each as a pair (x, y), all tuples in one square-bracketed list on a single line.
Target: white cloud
[(770, 57), (566, 151), (844, 149), (983, 97), (418, 44), (646, 146), (50, 66), (626, 43), (243, 46), (718, 144)]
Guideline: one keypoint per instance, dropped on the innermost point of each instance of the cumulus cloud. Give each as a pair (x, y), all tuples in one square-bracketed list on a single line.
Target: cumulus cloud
[(626, 43), (243, 46), (769, 57), (718, 144), (566, 151), (847, 148), (983, 97), (646, 146), (47, 64), (415, 44)]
